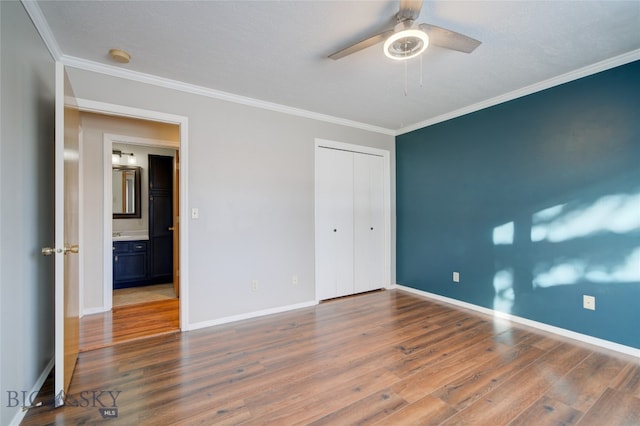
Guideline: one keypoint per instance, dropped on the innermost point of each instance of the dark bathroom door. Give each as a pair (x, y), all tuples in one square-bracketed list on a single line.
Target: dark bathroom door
[(161, 218)]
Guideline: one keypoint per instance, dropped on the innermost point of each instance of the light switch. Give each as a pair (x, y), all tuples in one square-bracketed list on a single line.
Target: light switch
[(195, 214)]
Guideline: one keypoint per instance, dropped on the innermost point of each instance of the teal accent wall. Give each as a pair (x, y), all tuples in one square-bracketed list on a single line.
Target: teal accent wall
[(536, 202)]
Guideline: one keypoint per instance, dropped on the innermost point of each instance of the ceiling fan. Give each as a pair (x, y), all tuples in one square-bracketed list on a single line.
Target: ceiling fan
[(408, 39)]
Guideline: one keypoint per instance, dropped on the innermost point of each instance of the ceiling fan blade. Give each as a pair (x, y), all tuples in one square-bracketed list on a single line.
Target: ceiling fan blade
[(449, 39), (409, 10), (361, 45)]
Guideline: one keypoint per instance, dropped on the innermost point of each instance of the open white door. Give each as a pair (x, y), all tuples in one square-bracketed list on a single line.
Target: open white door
[(67, 308), (176, 224)]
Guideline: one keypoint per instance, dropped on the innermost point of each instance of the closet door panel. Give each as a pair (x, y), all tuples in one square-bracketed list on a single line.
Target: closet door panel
[(335, 222), (369, 231)]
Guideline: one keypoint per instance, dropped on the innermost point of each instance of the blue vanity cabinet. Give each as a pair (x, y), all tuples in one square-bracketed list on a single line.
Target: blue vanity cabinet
[(130, 263)]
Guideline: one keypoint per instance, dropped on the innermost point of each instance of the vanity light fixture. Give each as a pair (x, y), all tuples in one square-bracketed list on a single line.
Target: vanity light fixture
[(116, 157)]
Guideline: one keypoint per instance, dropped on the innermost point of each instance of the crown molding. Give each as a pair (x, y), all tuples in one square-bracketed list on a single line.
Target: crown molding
[(616, 61), (155, 80), (38, 19), (35, 13), (43, 28)]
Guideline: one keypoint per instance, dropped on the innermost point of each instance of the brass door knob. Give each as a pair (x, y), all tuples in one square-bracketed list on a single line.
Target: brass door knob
[(48, 251), (73, 249)]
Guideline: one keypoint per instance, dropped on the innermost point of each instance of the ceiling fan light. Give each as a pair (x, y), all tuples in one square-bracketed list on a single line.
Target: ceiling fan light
[(406, 44)]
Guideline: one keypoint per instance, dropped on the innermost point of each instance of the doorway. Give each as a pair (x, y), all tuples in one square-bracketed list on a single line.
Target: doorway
[(145, 253), (143, 281), (102, 300)]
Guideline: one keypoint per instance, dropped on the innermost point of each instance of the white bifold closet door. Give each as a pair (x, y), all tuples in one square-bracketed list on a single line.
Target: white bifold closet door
[(368, 228), (351, 234), (335, 220)]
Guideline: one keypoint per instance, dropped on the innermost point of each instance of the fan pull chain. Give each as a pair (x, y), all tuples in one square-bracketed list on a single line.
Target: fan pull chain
[(405, 78), (420, 70)]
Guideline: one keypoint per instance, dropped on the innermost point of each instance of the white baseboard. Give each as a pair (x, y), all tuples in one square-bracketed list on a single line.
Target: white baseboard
[(91, 311), (249, 315), (628, 350), (17, 419)]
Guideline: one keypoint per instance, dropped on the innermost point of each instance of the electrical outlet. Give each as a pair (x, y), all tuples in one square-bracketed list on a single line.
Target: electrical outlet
[(254, 285), (589, 302), (456, 277), (294, 280)]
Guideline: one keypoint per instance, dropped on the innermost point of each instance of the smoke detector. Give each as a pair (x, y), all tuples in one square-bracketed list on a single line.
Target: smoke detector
[(120, 56)]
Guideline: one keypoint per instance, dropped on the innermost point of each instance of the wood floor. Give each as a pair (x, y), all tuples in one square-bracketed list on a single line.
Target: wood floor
[(129, 322), (143, 294), (386, 358)]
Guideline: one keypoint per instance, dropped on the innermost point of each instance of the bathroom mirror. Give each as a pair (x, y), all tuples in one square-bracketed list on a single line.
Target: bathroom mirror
[(126, 192)]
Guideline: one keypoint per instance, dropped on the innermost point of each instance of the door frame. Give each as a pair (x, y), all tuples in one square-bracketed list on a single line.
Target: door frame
[(104, 108), (108, 139), (386, 155)]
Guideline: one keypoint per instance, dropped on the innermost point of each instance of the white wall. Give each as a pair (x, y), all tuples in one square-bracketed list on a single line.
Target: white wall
[(251, 175), (26, 205)]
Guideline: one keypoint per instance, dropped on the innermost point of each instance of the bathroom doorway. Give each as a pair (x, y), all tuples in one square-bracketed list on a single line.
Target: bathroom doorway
[(144, 268)]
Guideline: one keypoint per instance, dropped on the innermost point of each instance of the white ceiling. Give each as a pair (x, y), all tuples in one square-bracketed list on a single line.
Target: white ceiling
[(276, 51)]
